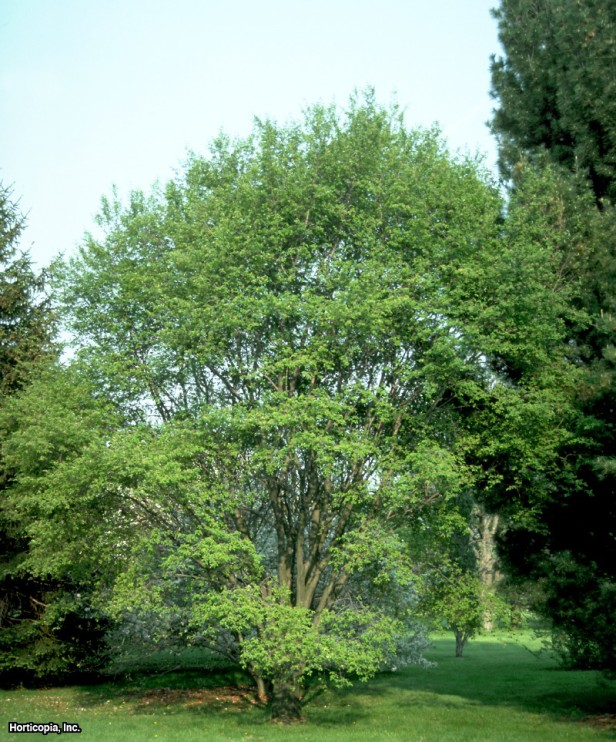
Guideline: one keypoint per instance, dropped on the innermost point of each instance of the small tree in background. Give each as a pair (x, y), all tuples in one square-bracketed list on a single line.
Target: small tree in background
[(453, 591), (459, 600)]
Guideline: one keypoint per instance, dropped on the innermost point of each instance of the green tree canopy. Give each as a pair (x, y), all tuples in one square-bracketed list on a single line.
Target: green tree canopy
[(293, 334)]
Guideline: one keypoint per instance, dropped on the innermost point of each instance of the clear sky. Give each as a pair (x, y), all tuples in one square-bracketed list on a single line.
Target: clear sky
[(97, 92)]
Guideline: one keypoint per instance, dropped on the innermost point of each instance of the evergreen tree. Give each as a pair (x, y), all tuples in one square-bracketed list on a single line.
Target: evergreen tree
[(557, 91), (43, 629), (557, 86), (25, 318)]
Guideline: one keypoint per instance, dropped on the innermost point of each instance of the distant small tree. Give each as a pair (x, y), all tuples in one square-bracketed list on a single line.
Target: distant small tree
[(453, 592), (458, 599), (453, 596)]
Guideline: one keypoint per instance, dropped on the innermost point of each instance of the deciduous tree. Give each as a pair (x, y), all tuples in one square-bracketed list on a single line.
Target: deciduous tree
[(295, 333)]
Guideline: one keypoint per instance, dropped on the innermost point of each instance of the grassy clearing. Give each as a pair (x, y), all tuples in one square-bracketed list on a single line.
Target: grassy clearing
[(499, 691)]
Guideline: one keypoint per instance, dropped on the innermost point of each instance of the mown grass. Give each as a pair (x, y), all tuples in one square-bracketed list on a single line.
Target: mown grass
[(500, 691)]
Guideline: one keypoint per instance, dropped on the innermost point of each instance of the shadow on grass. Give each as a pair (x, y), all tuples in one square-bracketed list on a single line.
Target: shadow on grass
[(208, 694), (502, 673), (492, 673)]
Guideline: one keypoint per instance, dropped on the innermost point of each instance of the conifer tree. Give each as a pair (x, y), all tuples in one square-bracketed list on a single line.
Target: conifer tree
[(41, 631), (556, 86)]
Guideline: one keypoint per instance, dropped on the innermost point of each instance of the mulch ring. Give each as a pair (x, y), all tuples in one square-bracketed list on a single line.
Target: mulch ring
[(224, 696)]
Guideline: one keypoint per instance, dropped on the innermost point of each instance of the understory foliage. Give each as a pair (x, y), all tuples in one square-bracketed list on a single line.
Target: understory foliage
[(278, 357), (454, 592), (456, 599)]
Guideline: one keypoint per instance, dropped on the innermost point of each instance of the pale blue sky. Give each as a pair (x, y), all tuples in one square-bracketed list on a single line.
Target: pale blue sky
[(97, 92)]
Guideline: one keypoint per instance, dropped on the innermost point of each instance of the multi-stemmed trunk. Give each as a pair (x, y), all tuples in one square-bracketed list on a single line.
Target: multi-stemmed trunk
[(285, 700), (283, 696)]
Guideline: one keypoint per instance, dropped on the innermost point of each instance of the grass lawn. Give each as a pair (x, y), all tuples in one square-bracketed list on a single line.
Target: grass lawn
[(499, 691)]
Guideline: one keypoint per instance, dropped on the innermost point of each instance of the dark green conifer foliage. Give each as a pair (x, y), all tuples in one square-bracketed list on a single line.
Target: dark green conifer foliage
[(43, 629), (24, 319), (556, 86)]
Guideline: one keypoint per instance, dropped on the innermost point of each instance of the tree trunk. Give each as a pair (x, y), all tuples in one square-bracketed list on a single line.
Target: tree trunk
[(487, 557), (286, 701), (262, 689), (461, 639)]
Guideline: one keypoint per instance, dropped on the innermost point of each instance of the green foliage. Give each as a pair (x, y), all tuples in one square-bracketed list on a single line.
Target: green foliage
[(293, 337), (55, 423), (556, 90), (456, 598), (50, 628), (282, 641), (47, 626), (581, 599), (452, 591), (25, 317), (48, 641), (557, 86), (570, 517)]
